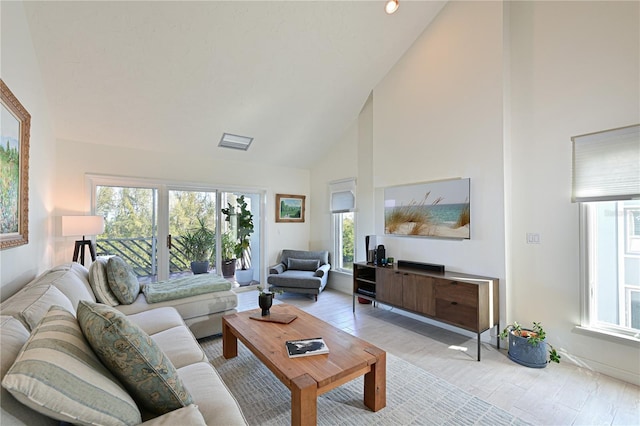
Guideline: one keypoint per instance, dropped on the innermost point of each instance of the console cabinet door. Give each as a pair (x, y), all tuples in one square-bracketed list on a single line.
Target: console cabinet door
[(389, 286), (417, 294)]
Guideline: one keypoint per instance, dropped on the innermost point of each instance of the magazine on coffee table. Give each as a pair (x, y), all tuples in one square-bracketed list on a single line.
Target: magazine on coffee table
[(306, 347)]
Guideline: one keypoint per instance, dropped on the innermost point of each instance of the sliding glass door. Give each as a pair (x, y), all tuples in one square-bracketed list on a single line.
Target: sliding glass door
[(148, 225)]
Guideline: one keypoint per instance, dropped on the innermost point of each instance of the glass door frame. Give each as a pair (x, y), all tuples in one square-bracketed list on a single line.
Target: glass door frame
[(162, 218)]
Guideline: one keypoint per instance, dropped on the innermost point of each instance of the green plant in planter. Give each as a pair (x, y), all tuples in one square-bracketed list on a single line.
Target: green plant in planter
[(262, 290), (244, 229), (534, 337), (199, 243)]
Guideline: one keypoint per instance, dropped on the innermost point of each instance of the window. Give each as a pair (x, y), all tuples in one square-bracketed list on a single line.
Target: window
[(606, 183), (613, 266), (343, 202)]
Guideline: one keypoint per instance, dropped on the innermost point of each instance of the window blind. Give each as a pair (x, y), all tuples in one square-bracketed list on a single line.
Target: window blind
[(606, 165), (343, 195)]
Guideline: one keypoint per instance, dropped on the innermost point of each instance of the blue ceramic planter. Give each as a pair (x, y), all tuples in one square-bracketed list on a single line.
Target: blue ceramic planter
[(524, 353)]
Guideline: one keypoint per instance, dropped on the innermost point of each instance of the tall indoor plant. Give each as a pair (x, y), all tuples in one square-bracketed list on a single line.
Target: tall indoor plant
[(244, 228), (198, 245)]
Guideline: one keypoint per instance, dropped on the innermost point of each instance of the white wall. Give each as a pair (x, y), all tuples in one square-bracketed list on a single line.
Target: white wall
[(19, 70), (76, 159), (575, 69), (438, 115)]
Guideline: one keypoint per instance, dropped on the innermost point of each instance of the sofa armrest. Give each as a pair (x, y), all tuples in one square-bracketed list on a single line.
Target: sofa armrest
[(277, 269), (189, 415), (323, 269)]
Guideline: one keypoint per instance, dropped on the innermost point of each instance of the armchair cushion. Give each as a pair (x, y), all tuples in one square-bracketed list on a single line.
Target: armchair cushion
[(303, 264)]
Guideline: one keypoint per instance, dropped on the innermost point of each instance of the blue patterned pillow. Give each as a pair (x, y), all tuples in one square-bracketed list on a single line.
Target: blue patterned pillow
[(133, 357), (122, 280)]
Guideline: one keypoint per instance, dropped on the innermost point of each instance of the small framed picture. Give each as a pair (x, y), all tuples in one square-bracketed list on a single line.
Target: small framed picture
[(289, 208)]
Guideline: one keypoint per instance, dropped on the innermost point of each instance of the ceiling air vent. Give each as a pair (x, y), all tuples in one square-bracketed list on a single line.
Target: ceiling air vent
[(235, 142)]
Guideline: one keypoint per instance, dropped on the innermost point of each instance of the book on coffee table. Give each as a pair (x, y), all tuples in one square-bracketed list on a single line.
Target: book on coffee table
[(306, 347)]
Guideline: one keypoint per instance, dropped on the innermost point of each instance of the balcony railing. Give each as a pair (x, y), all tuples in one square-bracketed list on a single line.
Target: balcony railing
[(141, 254)]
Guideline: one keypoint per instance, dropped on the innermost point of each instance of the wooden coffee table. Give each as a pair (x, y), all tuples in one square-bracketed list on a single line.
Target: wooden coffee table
[(307, 377)]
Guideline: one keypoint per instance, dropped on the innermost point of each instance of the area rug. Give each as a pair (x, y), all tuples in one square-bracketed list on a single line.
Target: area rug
[(414, 397)]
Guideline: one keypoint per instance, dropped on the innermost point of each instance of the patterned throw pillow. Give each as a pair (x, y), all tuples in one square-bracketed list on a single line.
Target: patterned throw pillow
[(57, 374), (100, 282), (303, 264), (133, 357), (122, 280)]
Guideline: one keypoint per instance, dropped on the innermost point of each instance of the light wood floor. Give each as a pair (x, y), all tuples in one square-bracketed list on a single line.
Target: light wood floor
[(556, 395)]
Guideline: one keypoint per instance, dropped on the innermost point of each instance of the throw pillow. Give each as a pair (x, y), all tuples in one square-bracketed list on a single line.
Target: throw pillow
[(303, 264), (122, 280), (57, 374), (99, 281), (37, 310), (133, 357)]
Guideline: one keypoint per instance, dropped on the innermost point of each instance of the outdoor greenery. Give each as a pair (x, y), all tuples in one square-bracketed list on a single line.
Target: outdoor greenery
[(199, 243), (348, 237), (243, 219)]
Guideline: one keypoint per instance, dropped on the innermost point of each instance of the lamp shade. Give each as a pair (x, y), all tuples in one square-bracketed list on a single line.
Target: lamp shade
[(82, 225)]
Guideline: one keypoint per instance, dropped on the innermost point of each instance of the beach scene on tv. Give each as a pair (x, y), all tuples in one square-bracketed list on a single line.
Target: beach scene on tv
[(432, 209)]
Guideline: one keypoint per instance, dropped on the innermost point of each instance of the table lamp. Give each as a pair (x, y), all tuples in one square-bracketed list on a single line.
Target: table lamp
[(82, 225)]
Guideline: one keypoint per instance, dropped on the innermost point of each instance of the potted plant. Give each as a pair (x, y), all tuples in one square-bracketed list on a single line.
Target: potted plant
[(227, 254), (529, 347), (198, 245), (244, 229)]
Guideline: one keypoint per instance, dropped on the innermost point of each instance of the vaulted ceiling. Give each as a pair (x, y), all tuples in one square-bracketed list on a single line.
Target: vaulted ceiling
[(173, 76)]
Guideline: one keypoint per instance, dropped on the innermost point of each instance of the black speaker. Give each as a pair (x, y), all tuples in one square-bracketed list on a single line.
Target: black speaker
[(380, 254)]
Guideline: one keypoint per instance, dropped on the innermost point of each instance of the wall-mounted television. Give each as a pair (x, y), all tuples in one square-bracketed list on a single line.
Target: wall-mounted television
[(440, 209)]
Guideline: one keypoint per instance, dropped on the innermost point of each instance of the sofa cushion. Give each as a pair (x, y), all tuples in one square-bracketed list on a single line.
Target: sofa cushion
[(185, 416), (99, 281), (13, 336), (31, 303), (57, 374), (321, 255), (211, 395), (303, 264), (70, 278), (122, 280), (133, 357)]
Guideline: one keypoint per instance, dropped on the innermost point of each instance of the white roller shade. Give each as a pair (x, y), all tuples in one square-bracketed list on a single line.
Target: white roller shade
[(343, 195), (606, 165)]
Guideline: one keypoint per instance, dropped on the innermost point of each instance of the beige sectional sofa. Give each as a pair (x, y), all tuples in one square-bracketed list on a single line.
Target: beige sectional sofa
[(29, 333)]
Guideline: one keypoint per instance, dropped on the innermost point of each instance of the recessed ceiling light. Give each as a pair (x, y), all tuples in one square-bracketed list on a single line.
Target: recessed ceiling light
[(235, 142), (391, 6)]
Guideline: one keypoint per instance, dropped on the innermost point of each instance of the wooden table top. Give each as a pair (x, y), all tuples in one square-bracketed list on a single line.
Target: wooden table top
[(347, 355)]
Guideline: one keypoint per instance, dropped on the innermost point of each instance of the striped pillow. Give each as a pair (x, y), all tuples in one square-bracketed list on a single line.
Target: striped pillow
[(133, 357), (100, 282), (57, 374)]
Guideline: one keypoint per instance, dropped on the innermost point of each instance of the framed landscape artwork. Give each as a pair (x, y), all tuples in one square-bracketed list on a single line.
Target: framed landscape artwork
[(433, 209), (14, 170), (290, 208)]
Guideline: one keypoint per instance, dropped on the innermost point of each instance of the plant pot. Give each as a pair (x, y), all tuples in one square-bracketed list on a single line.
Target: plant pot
[(200, 267), (265, 300), (228, 268), (244, 276), (524, 353)]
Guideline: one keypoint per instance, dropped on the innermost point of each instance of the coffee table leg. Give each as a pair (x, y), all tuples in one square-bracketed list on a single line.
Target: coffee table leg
[(304, 401), (375, 381), (229, 341)]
